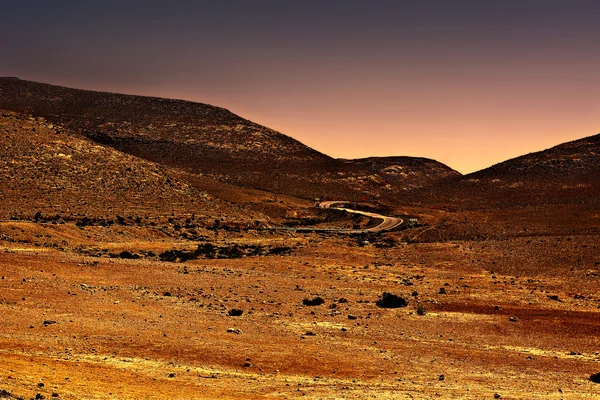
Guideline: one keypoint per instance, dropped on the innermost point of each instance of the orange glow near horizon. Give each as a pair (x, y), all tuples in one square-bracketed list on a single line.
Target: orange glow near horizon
[(463, 148), (467, 130), (468, 83)]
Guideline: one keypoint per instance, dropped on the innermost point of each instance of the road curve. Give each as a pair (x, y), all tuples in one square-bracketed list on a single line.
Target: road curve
[(387, 223)]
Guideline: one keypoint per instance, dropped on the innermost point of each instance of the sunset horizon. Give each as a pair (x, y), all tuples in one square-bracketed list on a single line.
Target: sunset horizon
[(469, 84), (340, 199), (332, 147)]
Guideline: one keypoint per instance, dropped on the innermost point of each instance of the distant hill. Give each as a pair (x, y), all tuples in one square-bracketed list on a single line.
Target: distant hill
[(209, 141), (406, 172), (575, 158), (565, 174), (47, 169)]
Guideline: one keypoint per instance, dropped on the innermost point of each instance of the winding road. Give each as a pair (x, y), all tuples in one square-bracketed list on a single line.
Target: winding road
[(387, 224)]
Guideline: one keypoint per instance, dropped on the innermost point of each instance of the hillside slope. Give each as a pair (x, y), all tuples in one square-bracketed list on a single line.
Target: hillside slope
[(550, 192), (406, 172), (565, 174), (47, 169), (199, 139)]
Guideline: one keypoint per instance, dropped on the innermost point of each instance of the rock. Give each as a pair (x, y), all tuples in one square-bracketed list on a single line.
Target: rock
[(49, 322), (234, 330), (317, 301), (234, 312), (553, 297), (513, 319), (310, 333), (389, 300), (441, 377), (352, 316), (497, 396), (171, 375), (442, 290), (595, 377)]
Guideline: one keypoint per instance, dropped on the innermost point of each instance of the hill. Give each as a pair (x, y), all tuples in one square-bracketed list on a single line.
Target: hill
[(406, 172), (47, 169), (571, 159), (204, 140), (555, 191), (565, 174)]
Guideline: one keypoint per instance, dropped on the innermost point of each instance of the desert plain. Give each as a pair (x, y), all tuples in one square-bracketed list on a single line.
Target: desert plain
[(125, 275)]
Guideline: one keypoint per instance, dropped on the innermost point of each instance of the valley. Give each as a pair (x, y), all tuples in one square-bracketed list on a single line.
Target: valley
[(154, 248)]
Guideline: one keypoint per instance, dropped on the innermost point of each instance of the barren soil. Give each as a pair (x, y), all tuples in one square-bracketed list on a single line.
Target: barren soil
[(136, 262), (517, 317)]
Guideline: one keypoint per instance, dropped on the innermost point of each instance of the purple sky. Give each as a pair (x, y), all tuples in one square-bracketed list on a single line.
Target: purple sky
[(469, 83)]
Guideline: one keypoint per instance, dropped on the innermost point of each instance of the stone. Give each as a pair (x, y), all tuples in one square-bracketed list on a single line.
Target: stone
[(317, 301), (234, 312), (389, 300)]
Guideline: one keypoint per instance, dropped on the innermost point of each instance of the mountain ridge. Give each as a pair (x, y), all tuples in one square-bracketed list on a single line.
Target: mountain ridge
[(204, 140), (549, 158)]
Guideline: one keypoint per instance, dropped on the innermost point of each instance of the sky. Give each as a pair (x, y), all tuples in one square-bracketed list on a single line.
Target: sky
[(469, 83)]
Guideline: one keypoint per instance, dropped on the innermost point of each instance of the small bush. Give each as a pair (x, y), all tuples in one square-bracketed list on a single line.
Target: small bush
[(128, 255)]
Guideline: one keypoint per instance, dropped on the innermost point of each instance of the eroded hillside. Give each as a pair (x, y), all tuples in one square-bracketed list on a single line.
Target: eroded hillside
[(47, 169)]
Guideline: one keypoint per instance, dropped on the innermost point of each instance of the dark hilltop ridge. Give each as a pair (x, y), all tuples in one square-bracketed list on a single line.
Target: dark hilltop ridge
[(570, 159), (550, 192), (565, 174), (211, 142), (207, 152)]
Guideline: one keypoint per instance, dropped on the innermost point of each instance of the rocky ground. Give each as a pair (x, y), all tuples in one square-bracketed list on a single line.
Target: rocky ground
[(49, 170), (511, 318), (136, 262)]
